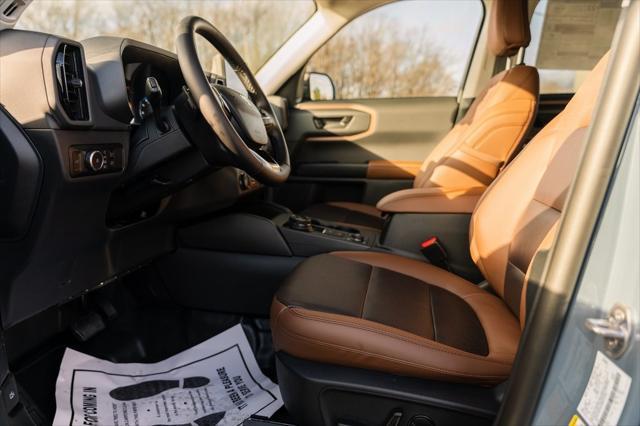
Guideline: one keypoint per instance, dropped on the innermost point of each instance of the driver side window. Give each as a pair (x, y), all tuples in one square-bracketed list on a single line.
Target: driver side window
[(403, 49)]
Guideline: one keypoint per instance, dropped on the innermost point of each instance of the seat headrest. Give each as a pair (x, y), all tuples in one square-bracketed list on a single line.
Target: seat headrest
[(508, 27)]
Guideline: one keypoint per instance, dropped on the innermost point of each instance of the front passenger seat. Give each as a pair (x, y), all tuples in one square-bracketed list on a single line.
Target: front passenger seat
[(492, 130), (379, 311)]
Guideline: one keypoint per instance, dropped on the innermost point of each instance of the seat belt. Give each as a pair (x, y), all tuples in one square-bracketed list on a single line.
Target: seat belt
[(435, 253)]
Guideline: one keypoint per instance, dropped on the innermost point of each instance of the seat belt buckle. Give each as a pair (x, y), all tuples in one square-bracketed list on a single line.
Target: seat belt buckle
[(435, 253)]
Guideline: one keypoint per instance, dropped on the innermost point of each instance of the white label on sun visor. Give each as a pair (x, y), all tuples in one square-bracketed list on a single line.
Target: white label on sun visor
[(606, 393), (576, 34)]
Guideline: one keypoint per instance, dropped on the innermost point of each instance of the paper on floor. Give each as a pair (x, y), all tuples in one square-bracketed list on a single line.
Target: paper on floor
[(217, 382)]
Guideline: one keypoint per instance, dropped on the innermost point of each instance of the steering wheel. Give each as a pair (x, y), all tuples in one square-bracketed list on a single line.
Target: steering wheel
[(246, 127)]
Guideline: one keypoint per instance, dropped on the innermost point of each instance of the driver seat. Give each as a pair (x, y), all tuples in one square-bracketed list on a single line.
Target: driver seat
[(484, 140), (379, 311)]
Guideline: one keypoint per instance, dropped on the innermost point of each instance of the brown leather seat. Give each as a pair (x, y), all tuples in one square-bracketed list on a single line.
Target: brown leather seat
[(492, 130), (383, 312)]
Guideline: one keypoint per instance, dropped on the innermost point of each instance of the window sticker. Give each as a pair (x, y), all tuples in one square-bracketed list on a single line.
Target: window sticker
[(606, 394), (577, 33)]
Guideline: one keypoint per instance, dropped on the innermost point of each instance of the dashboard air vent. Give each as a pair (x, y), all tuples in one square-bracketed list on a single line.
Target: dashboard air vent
[(71, 82), (10, 7)]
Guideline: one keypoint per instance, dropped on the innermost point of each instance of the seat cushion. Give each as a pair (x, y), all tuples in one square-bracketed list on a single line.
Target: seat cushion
[(384, 312), (349, 214)]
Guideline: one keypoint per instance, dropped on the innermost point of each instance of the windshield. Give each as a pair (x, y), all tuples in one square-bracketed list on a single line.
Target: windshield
[(256, 28)]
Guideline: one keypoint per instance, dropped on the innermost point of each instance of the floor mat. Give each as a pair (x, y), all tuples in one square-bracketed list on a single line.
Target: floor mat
[(217, 382)]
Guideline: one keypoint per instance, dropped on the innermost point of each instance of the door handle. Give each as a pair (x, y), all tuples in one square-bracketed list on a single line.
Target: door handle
[(328, 123), (616, 329)]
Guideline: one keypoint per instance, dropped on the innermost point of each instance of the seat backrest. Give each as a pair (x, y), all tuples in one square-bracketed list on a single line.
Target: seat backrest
[(518, 214), (495, 125), (474, 151)]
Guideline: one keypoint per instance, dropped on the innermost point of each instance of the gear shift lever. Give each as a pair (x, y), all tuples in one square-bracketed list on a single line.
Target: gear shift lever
[(300, 223)]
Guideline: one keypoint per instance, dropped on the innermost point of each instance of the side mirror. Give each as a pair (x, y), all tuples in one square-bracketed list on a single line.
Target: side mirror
[(318, 87)]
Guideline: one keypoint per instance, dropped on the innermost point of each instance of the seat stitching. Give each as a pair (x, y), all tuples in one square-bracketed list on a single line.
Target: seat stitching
[(386, 357), (433, 315), (366, 291), (474, 289), (545, 204), (457, 352), (523, 132)]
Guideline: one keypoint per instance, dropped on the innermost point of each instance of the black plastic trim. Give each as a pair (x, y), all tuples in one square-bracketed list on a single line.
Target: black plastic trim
[(20, 178), (332, 170), (307, 389)]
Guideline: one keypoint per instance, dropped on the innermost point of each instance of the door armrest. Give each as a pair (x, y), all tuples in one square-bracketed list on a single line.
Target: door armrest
[(391, 169), (431, 200)]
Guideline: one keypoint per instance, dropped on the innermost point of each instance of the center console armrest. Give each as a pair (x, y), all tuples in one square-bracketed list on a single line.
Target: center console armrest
[(431, 200)]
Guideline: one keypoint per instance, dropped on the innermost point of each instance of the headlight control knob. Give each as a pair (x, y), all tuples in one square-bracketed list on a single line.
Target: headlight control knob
[(95, 160)]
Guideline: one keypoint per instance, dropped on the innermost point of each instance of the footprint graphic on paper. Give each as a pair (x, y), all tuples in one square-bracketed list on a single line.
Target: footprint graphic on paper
[(155, 387), (210, 420)]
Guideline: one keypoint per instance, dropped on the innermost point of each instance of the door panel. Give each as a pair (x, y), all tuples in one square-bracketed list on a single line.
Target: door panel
[(398, 129), (333, 142)]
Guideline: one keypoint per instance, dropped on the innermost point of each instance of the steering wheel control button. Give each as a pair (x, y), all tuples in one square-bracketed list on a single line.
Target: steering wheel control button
[(88, 160)]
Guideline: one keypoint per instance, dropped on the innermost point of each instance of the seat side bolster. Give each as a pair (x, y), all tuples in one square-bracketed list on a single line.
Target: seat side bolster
[(343, 340)]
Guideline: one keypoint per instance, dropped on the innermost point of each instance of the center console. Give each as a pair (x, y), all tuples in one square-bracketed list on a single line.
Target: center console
[(273, 230), (307, 224), (307, 236), (254, 246), (249, 250)]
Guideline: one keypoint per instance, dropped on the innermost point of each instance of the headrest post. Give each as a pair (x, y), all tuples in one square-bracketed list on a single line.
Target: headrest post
[(520, 56)]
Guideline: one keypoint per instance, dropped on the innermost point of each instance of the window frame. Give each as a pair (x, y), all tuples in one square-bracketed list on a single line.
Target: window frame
[(464, 74)]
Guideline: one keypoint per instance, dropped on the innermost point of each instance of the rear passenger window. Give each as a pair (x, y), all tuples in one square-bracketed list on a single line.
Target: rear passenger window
[(411, 48), (568, 37)]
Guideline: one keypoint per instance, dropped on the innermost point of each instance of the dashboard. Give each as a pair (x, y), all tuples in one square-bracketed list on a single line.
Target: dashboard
[(95, 187)]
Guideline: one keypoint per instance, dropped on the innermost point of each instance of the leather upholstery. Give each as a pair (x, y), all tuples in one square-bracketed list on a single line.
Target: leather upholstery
[(380, 311), (508, 27), (490, 133), (514, 216), (431, 200), (383, 312), (474, 151)]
